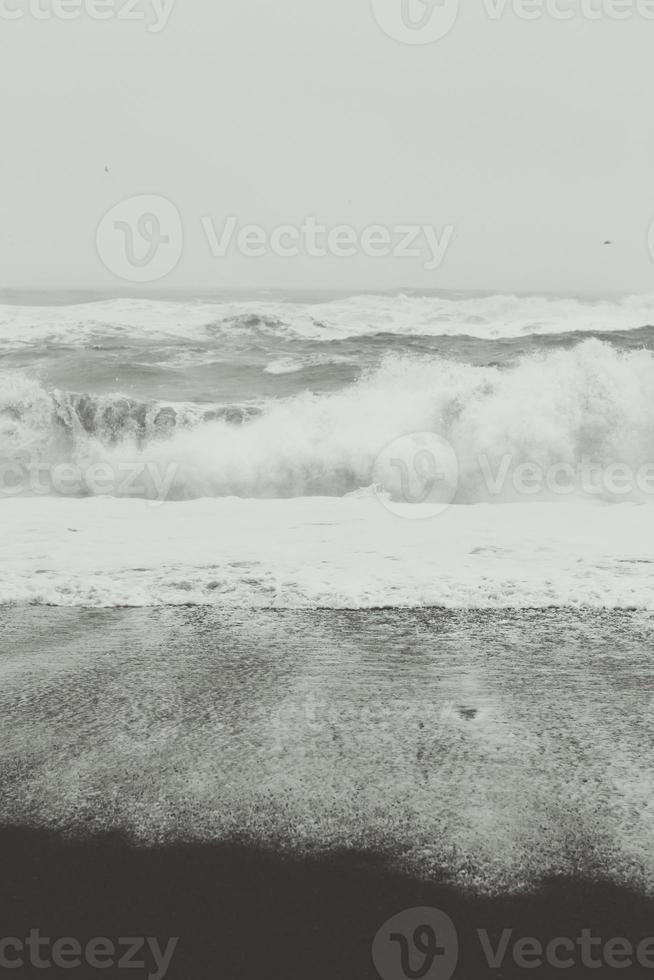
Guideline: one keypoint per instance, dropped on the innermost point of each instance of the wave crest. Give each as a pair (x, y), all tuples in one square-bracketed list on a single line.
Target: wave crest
[(563, 407), (450, 315)]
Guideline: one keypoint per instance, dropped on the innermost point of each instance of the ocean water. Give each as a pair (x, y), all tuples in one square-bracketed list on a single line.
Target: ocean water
[(389, 562), (227, 451)]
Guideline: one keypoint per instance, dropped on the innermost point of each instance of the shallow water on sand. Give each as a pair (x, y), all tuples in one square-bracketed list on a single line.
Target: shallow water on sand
[(497, 746)]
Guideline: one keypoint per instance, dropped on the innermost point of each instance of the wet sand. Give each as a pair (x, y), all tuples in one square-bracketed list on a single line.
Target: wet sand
[(271, 786)]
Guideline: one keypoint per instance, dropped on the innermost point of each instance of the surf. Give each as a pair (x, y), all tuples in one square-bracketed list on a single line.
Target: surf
[(548, 409)]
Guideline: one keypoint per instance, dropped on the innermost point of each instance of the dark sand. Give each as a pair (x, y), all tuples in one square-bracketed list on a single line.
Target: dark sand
[(241, 913), (272, 786)]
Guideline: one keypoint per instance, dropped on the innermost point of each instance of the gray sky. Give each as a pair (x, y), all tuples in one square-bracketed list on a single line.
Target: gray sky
[(534, 140)]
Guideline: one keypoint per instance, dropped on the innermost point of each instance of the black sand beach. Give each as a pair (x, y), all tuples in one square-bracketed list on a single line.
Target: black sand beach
[(242, 913), (272, 786)]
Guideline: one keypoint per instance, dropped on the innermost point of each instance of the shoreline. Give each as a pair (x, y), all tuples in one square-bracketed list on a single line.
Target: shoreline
[(324, 552), (497, 746)]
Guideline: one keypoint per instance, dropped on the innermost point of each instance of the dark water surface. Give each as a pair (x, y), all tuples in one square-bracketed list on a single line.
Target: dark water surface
[(229, 368)]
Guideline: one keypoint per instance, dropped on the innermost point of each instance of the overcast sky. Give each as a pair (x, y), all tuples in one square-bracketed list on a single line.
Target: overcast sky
[(532, 140)]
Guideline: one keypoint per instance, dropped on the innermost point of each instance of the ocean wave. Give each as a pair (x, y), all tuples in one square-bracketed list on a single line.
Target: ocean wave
[(294, 365), (485, 317), (590, 406)]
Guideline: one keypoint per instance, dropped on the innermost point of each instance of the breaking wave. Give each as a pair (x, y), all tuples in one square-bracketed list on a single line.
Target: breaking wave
[(483, 317), (588, 405)]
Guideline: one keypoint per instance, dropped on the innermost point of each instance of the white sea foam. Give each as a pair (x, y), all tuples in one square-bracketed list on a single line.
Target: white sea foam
[(293, 365), (483, 317), (323, 552), (588, 407), (335, 543)]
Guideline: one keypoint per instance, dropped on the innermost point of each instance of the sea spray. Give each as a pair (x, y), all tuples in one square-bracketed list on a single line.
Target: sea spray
[(588, 406)]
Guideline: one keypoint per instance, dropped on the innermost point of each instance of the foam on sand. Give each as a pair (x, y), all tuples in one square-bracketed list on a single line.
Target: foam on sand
[(342, 553)]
